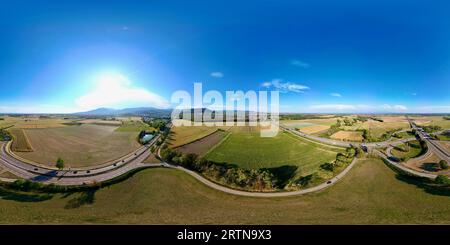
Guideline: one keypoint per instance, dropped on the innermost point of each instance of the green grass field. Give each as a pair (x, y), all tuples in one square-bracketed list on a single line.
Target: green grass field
[(79, 146), (412, 151), (404, 135), (248, 150), (369, 194)]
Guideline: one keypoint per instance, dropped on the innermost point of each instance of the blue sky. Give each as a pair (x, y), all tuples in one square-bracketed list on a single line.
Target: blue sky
[(323, 56)]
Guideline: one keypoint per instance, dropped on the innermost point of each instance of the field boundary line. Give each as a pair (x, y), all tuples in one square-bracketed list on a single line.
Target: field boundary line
[(196, 139), (27, 141), (218, 144), (312, 141)]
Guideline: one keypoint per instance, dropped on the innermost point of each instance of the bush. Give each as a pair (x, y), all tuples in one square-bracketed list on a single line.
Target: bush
[(308, 179), (327, 166), (442, 179), (443, 164)]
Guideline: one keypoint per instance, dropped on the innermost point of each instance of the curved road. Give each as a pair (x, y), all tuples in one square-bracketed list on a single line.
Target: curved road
[(344, 143), (135, 161), (74, 177)]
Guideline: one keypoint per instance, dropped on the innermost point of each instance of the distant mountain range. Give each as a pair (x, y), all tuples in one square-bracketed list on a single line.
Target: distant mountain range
[(139, 111)]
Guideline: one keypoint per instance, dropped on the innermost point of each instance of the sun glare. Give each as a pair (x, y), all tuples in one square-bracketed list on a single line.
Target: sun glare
[(109, 81)]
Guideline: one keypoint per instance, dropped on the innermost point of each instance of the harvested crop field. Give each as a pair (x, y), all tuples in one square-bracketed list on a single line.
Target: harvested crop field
[(347, 135), (134, 126), (21, 142), (314, 129), (28, 123), (101, 122), (203, 145), (79, 146), (432, 120), (185, 134), (377, 129), (293, 124)]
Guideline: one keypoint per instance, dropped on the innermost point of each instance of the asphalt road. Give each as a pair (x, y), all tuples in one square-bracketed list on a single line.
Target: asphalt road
[(75, 177), (135, 161), (433, 146), (344, 143)]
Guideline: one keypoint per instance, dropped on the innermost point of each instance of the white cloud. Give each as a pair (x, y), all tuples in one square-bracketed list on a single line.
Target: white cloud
[(400, 107), (217, 74), (394, 107), (434, 109), (300, 63), (336, 94), (30, 109), (285, 87), (115, 90), (339, 107)]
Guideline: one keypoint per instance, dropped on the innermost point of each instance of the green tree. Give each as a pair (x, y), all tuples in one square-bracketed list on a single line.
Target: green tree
[(443, 164), (442, 179), (60, 163)]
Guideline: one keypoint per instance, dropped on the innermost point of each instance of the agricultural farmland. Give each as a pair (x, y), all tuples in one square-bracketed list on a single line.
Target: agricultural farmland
[(245, 148), (348, 136), (370, 194), (431, 121), (203, 145), (299, 124), (78, 146), (185, 134), (378, 128), (21, 143), (133, 126), (351, 130)]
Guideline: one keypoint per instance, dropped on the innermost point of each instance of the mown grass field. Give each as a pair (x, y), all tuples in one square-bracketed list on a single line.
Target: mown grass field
[(79, 146), (369, 194), (246, 148), (405, 135), (410, 153)]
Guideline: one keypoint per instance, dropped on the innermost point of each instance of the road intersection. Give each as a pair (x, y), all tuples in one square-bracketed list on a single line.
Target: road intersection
[(133, 161)]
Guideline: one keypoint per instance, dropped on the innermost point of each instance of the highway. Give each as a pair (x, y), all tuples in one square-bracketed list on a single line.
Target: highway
[(75, 177), (432, 145), (340, 143), (26, 170)]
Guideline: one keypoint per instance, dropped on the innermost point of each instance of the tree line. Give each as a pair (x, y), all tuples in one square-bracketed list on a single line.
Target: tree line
[(251, 179)]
